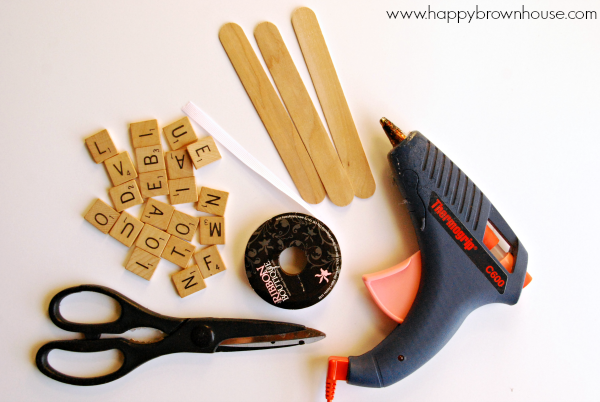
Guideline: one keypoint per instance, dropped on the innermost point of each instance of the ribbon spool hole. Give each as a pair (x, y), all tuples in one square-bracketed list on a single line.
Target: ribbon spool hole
[(292, 260)]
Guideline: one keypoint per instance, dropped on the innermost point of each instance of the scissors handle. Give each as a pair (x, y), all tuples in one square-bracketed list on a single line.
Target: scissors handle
[(133, 356), (132, 315)]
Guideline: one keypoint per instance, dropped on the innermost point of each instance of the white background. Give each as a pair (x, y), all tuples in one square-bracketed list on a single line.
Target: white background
[(514, 103)]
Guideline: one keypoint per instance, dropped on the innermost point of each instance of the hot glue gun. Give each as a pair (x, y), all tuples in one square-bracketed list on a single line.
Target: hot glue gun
[(468, 257)]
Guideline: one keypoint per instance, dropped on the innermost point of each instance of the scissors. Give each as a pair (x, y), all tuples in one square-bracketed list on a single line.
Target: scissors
[(192, 335)]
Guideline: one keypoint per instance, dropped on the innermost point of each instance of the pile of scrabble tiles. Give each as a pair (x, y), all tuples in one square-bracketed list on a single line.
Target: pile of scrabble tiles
[(162, 231)]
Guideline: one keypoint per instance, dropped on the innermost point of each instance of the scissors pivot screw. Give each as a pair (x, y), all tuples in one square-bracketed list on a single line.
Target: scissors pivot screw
[(203, 336)]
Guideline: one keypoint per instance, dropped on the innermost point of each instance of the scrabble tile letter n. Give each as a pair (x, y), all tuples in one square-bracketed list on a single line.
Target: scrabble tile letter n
[(212, 201), (101, 146), (188, 281), (212, 230), (180, 133)]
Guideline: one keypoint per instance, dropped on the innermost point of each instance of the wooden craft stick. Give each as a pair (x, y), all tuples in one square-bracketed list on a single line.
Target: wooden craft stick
[(303, 113), (332, 99), (272, 113)]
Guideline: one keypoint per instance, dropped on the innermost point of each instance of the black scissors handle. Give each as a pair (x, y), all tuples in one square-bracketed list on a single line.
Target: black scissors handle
[(132, 315), (133, 356)]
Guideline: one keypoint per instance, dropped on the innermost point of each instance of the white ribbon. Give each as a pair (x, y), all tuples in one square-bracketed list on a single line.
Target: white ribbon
[(208, 124)]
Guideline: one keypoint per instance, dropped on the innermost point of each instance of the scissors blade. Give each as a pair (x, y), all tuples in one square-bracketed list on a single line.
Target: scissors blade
[(305, 336)]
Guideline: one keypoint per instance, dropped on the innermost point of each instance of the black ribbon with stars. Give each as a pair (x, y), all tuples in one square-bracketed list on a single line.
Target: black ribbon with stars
[(314, 282)]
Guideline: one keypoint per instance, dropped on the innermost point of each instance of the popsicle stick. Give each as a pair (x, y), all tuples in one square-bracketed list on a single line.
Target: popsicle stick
[(272, 113), (332, 99), (303, 113)]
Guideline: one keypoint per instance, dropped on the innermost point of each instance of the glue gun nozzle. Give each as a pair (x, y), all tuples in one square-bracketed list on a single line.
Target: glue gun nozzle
[(395, 135)]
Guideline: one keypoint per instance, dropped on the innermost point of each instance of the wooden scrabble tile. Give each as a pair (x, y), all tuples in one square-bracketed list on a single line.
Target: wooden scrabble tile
[(179, 164), (142, 263), (102, 216), (180, 133), (153, 184), (188, 281), (157, 214), (212, 201), (212, 230), (178, 251), (183, 190), (144, 133), (150, 159), (183, 226), (125, 195), (209, 261), (126, 229), (203, 152), (101, 146), (152, 240), (120, 168)]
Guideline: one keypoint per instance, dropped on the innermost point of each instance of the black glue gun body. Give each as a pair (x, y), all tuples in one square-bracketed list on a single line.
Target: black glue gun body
[(461, 268)]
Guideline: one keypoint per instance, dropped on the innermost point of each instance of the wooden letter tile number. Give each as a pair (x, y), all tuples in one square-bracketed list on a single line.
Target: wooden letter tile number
[(209, 261), (150, 159), (101, 146), (153, 184), (157, 214), (152, 240), (183, 190), (120, 168), (102, 216), (212, 230), (212, 201), (183, 226), (180, 133), (179, 164), (144, 133), (127, 229), (178, 251), (203, 152), (188, 281), (125, 195), (142, 263)]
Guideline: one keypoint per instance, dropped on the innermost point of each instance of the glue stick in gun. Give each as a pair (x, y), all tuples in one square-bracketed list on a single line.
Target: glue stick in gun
[(468, 257)]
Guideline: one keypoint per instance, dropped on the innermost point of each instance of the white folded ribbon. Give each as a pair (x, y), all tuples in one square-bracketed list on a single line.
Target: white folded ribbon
[(208, 124)]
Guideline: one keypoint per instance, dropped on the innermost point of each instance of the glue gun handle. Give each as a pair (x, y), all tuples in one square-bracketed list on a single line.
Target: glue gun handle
[(427, 328)]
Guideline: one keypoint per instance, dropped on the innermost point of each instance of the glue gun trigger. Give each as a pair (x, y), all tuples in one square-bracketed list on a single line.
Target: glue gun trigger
[(394, 289)]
